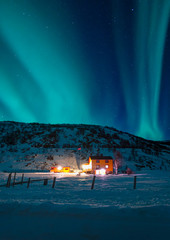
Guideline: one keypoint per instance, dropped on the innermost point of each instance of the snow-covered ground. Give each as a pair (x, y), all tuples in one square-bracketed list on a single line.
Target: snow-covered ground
[(71, 210)]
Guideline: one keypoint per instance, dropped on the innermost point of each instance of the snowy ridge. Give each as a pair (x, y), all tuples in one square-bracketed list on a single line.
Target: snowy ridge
[(34, 146)]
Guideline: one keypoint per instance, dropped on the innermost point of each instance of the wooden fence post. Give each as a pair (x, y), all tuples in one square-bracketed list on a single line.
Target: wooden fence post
[(14, 179), (22, 179), (29, 180), (92, 186), (54, 182), (45, 181), (134, 184), (9, 180)]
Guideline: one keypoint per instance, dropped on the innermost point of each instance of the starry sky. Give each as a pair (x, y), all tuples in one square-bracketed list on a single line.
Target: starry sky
[(104, 62)]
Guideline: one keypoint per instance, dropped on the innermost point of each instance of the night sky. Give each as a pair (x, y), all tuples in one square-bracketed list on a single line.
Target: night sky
[(104, 62)]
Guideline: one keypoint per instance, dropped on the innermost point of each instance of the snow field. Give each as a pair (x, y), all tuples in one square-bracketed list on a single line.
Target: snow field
[(113, 209)]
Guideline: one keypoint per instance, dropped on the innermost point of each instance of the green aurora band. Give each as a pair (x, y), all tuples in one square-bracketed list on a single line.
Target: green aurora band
[(48, 58), (152, 24), (142, 86)]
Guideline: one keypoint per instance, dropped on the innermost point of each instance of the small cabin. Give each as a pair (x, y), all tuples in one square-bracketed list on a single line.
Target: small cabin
[(101, 162), (99, 165), (66, 169)]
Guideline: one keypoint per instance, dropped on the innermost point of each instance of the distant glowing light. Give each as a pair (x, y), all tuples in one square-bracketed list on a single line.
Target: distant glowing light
[(100, 171), (59, 168)]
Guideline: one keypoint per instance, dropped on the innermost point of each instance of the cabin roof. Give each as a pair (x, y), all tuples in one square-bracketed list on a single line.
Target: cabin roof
[(100, 157)]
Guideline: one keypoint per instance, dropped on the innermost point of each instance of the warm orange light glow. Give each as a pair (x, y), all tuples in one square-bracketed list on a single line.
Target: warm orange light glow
[(86, 167), (60, 169)]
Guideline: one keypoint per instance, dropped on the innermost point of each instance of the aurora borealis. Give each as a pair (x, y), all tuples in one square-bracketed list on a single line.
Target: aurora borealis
[(102, 62)]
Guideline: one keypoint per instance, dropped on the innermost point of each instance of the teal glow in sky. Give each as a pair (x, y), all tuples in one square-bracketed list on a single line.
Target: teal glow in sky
[(94, 62)]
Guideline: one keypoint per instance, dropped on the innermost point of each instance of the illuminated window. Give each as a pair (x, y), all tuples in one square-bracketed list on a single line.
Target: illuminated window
[(106, 161), (97, 161), (106, 166)]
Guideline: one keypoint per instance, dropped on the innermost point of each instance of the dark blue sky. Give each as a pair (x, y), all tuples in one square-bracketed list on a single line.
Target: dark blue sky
[(94, 62)]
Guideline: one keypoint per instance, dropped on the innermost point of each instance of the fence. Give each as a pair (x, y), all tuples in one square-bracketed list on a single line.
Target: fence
[(13, 183), (45, 181)]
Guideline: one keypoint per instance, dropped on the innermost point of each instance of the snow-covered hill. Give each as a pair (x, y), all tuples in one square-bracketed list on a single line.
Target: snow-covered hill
[(33, 146)]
